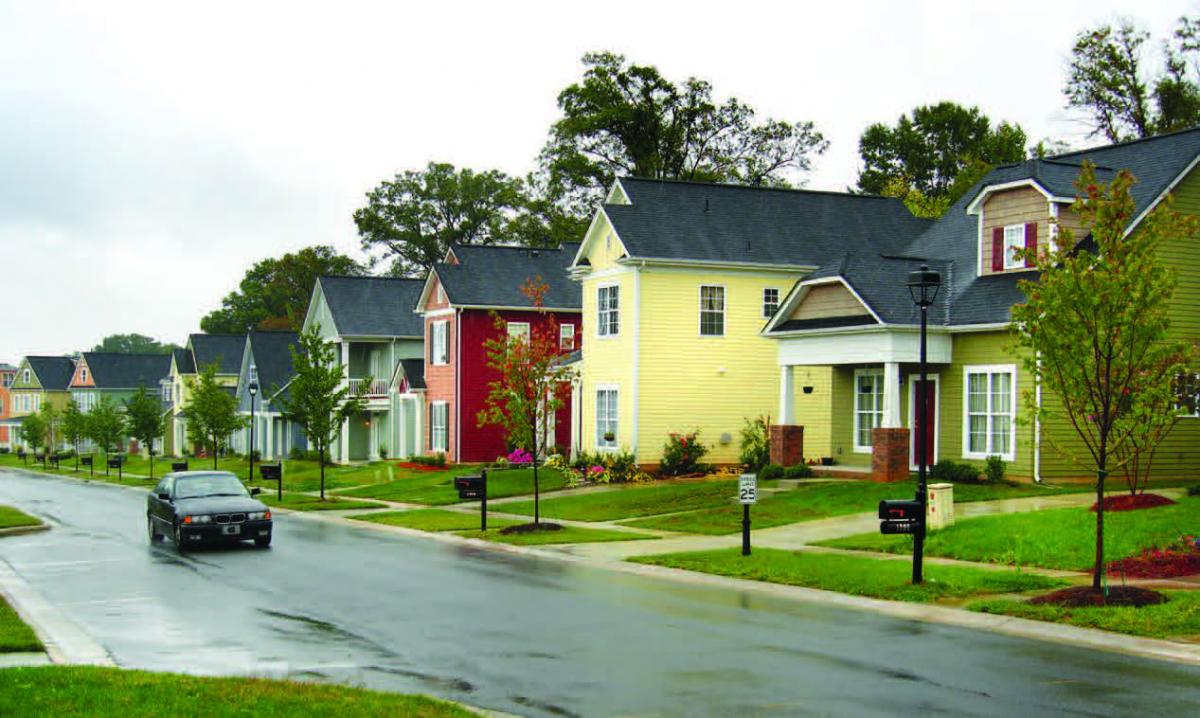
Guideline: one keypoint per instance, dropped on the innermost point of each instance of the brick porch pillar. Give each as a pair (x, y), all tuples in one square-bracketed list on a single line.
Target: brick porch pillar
[(889, 455), (787, 444)]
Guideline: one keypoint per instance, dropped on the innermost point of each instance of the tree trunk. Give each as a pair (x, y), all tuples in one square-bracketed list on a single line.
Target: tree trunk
[(214, 450), (321, 461), (1098, 573), (536, 513)]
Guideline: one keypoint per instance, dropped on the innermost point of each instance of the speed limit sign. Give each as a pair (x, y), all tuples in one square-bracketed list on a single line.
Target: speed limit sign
[(748, 488)]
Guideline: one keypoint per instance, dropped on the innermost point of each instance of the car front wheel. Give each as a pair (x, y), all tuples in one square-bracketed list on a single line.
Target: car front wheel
[(155, 536), (263, 541), (179, 539)]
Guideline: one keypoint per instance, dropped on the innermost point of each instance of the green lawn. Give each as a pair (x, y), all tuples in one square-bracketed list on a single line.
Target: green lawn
[(15, 636), (308, 502), (434, 520), (437, 488), (857, 575), (11, 518), (629, 501), (1058, 538), (85, 690), (1180, 616), (568, 534)]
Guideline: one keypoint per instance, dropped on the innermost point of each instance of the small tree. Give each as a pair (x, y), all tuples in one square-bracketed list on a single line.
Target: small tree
[(1094, 329), (318, 399), (33, 432), (143, 413), (213, 413), (52, 418), (106, 425), (74, 427), (533, 383)]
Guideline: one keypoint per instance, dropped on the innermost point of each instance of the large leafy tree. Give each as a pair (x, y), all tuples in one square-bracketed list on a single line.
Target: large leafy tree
[(74, 427), (411, 219), (1093, 330), (532, 384), (143, 412), (1109, 80), (938, 152), (627, 119), (132, 344), (106, 425), (318, 400), (274, 293), (213, 413)]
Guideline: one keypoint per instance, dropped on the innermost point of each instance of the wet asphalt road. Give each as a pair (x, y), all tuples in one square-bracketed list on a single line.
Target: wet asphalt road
[(530, 636)]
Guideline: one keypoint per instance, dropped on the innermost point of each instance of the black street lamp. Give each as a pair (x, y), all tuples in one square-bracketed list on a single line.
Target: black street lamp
[(923, 285), (253, 389)]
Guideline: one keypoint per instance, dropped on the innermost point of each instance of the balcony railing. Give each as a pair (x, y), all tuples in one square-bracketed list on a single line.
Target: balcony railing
[(377, 387)]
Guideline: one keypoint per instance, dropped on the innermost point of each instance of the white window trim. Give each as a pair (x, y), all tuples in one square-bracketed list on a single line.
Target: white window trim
[(1011, 262), (596, 418), (511, 326), (1195, 414), (778, 297), (878, 373), (440, 358), (566, 331), (1011, 455), (600, 315), (433, 437), (700, 311)]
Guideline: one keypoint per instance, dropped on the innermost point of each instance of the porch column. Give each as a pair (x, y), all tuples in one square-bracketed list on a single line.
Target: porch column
[(787, 439), (891, 396), (787, 396)]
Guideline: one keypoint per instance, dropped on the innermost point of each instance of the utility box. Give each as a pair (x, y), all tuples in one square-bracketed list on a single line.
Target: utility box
[(940, 505)]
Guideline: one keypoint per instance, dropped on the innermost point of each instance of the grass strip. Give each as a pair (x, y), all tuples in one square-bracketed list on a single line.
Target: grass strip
[(1179, 616), (116, 693), (11, 518), (15, 635), (856, 575), (568, 534), (437, 488), (433, 520), (630, 501), (308, 502)]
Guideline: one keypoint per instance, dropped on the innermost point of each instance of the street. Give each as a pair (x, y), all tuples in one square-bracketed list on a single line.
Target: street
[(526, 635)]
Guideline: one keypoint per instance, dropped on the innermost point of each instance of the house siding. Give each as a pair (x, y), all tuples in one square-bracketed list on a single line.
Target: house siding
[(1015, 206), (829, 300)]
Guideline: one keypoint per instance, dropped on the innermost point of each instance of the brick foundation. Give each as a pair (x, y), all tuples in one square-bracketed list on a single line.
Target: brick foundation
[(787, 444), (889, 455)]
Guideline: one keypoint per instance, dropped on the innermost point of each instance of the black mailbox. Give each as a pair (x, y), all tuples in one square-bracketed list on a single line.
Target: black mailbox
[(114, 462), (900, 510), (470, 487), (178, 466), (888, 528), (21, 454), (270, 472), (54, 459), (85, 460)]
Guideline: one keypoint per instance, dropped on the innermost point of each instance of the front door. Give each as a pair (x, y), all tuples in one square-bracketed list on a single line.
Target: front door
[(930, 393)]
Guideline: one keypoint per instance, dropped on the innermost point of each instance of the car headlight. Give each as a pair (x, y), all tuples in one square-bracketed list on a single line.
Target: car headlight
[(258, 515), (201, 519)]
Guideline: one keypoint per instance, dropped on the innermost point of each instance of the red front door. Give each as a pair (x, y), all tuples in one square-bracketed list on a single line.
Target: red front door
[(930, 394)]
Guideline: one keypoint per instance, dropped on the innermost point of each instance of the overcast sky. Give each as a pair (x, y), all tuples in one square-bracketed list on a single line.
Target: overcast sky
[(150, 152)]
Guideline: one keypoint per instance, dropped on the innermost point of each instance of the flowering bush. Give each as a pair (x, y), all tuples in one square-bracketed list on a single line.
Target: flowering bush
[(520, 457), (682, 454)]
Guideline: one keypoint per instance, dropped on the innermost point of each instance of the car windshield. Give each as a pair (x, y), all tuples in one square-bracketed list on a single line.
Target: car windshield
[(193, 487)]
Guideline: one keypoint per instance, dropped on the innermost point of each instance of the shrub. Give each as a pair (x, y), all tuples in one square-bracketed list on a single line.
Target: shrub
[(994, 469), (954, 472), (382, 451), (770, 471), (296, 453), (1194, 490), (438, 459), (756, 443), (682, 454), (5, 450), (520, 457), (799, 471)]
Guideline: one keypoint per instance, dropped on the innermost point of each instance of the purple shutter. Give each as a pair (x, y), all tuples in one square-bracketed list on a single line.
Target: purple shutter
[(998, 249), (1031, 244)]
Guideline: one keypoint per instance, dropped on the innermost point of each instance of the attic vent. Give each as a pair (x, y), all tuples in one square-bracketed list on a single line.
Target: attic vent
[(706, 205), (533, 253)]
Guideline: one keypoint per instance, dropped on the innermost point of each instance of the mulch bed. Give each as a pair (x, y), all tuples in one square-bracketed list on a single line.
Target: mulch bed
[(1128, 502), (1158, 563), (419, 467), (1087, 596), (530, 528)]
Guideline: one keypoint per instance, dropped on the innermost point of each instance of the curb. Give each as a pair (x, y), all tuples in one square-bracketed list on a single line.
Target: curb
[(22, 530), (65, 642)]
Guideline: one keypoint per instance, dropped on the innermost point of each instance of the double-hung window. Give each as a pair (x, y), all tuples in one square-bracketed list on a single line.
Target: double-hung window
[(1187, 393), (770, 302), (712, 311), (519, 330), (606, 417), (566, 337), (1014, 241), (608, 306), (439, 426), (868, 406), (439, 343), (990, 412)]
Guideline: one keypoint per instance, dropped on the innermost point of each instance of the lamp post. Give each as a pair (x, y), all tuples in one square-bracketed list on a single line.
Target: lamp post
[(923, 285), (253, 389)]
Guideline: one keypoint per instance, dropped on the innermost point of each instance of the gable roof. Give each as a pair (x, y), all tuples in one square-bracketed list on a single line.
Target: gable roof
[(414, 373), (697, 221), (492, 276), (183, 361), (273, 358), (53, 373), (373, 306), (225, 350), (111, 370)]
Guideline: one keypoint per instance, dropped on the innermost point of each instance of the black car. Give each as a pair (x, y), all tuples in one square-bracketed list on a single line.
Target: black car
[(201, 506)]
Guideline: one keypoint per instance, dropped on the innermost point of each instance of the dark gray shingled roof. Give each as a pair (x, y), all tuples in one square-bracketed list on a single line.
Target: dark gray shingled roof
[(54, 373), (183, 361), (414, 371), (374, 306), (728, 223), (272, 358), (127, 371), (492, 276), (223, 349)]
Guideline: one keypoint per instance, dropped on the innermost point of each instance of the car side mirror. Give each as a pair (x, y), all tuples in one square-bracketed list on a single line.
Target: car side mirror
[(163, 495), (255, 490)]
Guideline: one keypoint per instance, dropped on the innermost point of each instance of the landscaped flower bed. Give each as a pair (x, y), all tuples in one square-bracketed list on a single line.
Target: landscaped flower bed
[(1179, 559), (1130, 502)]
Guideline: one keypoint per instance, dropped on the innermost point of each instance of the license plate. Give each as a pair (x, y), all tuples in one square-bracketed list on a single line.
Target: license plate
[(231, 530)]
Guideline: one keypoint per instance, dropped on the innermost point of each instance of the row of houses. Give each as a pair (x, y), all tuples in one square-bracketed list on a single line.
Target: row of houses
[(696, 307)]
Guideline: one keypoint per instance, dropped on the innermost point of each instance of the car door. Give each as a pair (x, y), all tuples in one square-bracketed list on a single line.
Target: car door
[(164, 510)]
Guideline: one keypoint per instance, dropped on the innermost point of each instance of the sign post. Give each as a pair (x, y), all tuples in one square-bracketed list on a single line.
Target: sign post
[(747, 494)]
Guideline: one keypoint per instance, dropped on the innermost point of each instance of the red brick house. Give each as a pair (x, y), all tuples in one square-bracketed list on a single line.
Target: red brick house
[(8, 374), (457, 302)]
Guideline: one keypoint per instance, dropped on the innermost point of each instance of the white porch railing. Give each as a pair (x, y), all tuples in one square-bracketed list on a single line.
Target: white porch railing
[(377, 387)]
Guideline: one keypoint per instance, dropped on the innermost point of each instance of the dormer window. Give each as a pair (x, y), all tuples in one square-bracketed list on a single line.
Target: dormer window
[(25, 376), (83, 374), (1014, 241)]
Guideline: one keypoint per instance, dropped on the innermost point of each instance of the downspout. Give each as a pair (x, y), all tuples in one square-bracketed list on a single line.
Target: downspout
[(1037, 425)]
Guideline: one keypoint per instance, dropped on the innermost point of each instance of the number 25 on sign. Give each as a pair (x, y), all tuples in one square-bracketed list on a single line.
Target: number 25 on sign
[(748, 488)]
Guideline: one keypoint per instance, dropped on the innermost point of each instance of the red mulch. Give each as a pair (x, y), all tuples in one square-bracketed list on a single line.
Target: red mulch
[(419, 467), (530, 528), (1128, 502), (1087, 596), (1157, 563)]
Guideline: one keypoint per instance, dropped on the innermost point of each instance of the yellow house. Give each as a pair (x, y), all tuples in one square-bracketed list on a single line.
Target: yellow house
[(223, 350), (678, 281)]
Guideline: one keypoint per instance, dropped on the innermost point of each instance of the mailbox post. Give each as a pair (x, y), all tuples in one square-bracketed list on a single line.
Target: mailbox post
[(88, 462), (747, 494), (115, 462), (179, 465), (273, 472), (474, 487)]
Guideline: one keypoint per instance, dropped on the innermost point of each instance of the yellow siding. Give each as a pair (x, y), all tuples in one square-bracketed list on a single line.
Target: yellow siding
[(814, 410), (829, 300)]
